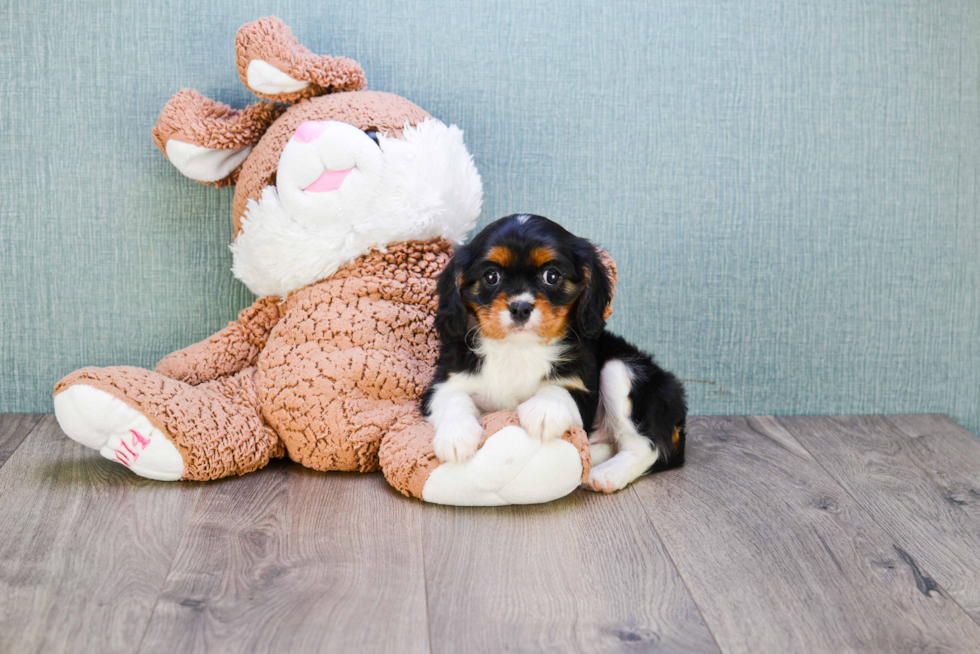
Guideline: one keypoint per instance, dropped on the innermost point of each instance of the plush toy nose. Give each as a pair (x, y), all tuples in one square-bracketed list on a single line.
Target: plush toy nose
[(520, 311), (309, 131)]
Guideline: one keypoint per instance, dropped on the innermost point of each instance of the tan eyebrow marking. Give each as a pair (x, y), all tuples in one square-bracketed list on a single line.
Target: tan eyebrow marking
[(542, 255), (501, 255)]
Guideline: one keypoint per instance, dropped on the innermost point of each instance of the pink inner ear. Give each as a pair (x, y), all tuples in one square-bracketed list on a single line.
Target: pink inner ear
[(308, 131)]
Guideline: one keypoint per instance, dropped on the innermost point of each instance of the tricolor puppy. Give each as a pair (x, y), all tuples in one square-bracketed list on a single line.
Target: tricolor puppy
[(521, 323)]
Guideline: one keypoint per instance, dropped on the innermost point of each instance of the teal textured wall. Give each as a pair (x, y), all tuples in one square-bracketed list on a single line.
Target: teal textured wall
[(790, 188)]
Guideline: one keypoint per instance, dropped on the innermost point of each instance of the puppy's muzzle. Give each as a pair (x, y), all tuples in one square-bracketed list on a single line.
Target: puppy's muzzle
[(520, 311)]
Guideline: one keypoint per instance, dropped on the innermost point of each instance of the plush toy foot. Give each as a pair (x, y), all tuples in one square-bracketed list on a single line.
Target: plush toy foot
[(510, 467), (212, 430), (119, 432)]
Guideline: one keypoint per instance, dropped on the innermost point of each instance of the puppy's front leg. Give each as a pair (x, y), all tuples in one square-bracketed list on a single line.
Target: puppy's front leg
[(550, 413), (453, 413)]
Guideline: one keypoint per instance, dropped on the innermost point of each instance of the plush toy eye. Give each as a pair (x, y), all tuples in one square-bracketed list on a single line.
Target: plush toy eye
[(551, 277), (373, 135), (491, 277)]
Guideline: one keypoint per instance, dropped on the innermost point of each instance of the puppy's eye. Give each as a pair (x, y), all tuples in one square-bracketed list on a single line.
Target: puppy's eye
[(551, 277), (373, 135), (491, 278)]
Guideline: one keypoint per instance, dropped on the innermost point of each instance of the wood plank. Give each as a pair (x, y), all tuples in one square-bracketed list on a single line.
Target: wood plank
[(14, 427), (780, 558), (584, 574), (919, 477), (293, 560), (85, 549)]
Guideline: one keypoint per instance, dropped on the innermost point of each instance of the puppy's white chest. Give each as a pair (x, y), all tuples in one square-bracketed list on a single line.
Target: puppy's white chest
[(512, 372)]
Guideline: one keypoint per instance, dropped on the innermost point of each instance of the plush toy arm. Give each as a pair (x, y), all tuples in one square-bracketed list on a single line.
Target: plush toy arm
[(207, 140), (233, 348)]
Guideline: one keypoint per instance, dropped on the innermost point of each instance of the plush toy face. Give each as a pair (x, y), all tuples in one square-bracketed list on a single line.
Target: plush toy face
[(326, 180)]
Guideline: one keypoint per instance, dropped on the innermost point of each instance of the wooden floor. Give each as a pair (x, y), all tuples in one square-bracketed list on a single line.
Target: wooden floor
[(850, 534)]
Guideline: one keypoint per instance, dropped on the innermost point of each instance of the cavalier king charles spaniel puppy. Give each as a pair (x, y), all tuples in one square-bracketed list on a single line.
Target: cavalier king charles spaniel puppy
[(521, 322)]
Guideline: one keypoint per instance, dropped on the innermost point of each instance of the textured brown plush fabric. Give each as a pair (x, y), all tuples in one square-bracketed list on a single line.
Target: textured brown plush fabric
[(271, 40), (384, 112), (351, 355), (192, 118), (233, 348), (335, 366)]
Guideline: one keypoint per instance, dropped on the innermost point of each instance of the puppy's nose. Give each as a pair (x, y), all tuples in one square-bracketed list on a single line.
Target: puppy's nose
[(520, 311)]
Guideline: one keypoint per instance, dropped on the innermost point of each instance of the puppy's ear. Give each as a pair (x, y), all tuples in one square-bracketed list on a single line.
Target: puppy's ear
[(613, 274), (597, 296), (451, 314)]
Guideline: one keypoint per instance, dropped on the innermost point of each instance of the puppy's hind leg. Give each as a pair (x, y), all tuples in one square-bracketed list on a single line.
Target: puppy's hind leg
[(635, 453), (600, 452), (643, 409)]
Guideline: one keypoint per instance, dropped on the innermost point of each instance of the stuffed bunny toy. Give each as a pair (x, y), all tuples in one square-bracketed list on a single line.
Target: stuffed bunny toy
[(346, 207)]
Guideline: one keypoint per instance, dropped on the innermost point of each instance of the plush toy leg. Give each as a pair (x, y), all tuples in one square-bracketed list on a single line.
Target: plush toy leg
[(165, 429), (342, 433), (509, 468)]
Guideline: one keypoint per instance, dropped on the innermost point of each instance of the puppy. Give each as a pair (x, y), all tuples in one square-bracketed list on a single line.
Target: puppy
[(521, 324)]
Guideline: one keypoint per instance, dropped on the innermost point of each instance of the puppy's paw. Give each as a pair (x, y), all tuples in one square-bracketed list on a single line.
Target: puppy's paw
[(457, 439), (545, 417), (615, 474)]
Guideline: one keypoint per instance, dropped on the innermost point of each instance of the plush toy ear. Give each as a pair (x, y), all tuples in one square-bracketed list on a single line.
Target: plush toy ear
[(450, 319), (208, 141), (274, 65), (595, 304)]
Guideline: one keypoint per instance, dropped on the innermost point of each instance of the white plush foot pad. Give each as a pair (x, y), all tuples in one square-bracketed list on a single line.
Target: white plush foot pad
[(510, 468), (119, 432)]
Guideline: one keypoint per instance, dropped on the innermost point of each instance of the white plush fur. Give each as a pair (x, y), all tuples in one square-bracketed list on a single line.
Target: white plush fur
[(421, 186)]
